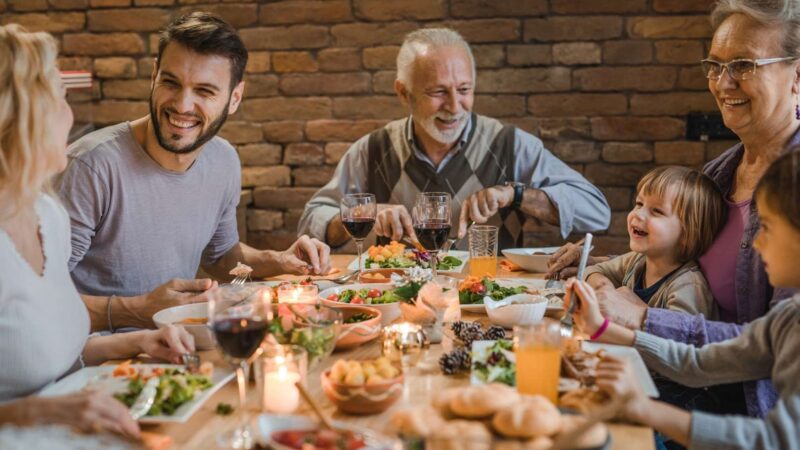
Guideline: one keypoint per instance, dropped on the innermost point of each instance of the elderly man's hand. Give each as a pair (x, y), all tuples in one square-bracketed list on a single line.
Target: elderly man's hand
[(306, 255), (394, 222), (482, 205), (622, 306)]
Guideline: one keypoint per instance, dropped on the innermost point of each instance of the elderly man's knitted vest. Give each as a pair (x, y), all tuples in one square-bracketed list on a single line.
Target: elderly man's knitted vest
[(396, 175)]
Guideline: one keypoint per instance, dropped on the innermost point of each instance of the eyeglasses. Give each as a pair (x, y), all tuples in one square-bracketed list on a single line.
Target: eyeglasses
[(738, 69)]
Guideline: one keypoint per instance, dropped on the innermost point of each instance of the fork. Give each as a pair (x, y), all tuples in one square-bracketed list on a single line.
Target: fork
[(566, 321), (239, 280), (191, 361)]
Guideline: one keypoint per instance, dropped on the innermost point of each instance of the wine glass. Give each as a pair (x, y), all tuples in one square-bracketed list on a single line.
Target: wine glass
[(238, 316), (431, 217), (358, 213)]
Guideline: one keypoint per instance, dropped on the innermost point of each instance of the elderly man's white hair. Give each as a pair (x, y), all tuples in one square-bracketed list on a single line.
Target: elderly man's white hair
[(423, 39)]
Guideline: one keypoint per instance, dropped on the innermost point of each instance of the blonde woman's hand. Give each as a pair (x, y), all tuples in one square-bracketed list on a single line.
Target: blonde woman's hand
[(587, 313), (88, 411), (616, 378), (167, 343)]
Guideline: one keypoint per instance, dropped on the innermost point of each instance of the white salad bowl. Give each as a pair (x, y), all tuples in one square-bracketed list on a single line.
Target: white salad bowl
[(519, 309)]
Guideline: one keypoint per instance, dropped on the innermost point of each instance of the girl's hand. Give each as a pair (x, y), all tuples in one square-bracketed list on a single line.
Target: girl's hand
[(587, 312), (89, 411), (616, 378), (168, 343)]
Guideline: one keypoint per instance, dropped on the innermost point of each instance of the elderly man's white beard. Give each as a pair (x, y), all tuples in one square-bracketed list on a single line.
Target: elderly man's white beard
[(448, 136)]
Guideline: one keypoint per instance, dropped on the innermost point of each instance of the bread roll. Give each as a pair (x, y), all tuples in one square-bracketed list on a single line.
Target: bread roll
[(534, 416), (415, 422), (482, 401), (460, 435)]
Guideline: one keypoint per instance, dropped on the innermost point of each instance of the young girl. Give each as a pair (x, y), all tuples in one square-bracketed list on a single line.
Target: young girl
[(766, 348), (677, 213)]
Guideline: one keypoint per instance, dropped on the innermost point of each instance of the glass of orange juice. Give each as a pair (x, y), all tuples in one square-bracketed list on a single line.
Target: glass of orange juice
[(483, 251), (537, 349)]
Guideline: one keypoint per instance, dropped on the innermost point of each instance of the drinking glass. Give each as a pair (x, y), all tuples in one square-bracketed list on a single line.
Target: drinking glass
[(238, 317), (358, 213), (483, 251), (431, 218), (537, 349)]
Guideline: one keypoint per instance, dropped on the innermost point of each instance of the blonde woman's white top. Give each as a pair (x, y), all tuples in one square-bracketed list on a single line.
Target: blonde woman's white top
[(43, 321)]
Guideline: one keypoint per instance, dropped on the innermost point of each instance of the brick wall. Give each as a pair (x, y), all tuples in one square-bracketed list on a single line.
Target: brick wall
[(606, 83)]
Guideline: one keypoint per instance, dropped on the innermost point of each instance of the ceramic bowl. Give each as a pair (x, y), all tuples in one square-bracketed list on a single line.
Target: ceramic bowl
[(525, 309), (389, 311), (363, 398), (354, 334), (369, 276), (531, 259), (203, 336)]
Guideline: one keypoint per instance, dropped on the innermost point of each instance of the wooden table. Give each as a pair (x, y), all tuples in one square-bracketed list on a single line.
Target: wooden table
[(201, 430)]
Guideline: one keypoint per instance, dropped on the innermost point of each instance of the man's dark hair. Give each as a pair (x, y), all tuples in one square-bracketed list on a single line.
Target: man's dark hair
[(207, 34)]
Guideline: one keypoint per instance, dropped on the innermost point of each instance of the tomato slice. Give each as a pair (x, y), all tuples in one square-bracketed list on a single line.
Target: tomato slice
[(357, 300), (333, 298), (373, 293)]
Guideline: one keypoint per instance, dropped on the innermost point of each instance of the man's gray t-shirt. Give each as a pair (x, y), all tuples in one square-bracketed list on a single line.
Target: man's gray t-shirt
[(136, 225)]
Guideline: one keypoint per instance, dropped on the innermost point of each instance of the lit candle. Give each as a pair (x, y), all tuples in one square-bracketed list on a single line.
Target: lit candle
[(280, 393), (305, 293)]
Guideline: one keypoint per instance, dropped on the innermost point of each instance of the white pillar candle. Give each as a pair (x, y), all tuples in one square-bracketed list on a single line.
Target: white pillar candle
[(280, 394)]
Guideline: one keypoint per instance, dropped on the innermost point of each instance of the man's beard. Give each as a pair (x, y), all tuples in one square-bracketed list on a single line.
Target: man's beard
[(204, 137), (444, 137)]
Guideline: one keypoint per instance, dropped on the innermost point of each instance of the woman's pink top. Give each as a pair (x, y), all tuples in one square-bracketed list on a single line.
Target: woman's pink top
[(719, 262)]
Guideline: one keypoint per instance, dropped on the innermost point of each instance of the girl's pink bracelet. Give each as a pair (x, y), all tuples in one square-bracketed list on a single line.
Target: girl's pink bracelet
[(599, 331)]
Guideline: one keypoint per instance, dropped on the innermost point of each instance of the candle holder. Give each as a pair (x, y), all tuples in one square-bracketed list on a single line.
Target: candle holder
[(404, 343), (298, 293), (277, 370)]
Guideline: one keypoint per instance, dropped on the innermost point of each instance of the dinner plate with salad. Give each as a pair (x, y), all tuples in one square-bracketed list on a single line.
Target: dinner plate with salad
[(179, 393), (472, 290), (396, 255), (385, 297)]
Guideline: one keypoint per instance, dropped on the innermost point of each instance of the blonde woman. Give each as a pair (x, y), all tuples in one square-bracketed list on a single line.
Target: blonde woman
[(44, 325)]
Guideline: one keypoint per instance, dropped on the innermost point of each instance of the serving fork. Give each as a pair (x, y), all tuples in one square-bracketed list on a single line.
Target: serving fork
[(566, 321)]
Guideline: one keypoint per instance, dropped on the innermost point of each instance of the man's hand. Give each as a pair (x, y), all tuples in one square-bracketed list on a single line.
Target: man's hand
[(306, 255), (482, 205), (173, 293), (622, 306), (563, 264), (394, 222)]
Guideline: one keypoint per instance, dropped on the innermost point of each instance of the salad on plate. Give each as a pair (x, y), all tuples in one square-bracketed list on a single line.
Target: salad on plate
[(176, 386), (472, 290), (395, 256), (493, 361)]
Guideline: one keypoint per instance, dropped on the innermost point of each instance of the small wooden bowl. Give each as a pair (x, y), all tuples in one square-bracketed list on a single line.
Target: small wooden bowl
[(364, 398), (354, 334), (384, 274)]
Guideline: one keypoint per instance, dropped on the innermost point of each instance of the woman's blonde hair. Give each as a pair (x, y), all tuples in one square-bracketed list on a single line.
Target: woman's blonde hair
[(697, 201), (29, 95)]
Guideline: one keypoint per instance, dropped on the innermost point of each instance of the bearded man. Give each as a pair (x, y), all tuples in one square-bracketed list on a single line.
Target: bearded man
[(152, 199), (496, 173)]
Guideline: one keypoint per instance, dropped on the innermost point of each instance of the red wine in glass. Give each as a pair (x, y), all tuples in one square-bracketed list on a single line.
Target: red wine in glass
[(432, 235), (359, 227), (239, 337)]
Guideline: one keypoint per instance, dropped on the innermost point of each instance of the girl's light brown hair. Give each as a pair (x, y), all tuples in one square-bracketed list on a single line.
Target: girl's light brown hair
[(779, 187), (29, 95), (697, 201)]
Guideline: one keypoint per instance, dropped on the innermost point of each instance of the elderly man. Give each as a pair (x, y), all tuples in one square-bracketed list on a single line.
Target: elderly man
[(153, 199), (497, 174)]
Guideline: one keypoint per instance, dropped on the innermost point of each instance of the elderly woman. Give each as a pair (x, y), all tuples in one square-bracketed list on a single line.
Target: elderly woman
[(754, 74), (44, 325)]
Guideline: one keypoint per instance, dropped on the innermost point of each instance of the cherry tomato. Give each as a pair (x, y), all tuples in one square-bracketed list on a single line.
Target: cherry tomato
[(478, 288), (357, 300), (373, 293), (333, 298)]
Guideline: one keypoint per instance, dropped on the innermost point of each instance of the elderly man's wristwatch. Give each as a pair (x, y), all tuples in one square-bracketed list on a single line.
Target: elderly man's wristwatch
[(519, 190)]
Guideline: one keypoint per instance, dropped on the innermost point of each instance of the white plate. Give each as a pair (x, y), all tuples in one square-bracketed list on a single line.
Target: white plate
[(271, 423), (629, 353), (525, 258), (100, 378), (460, 254)]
